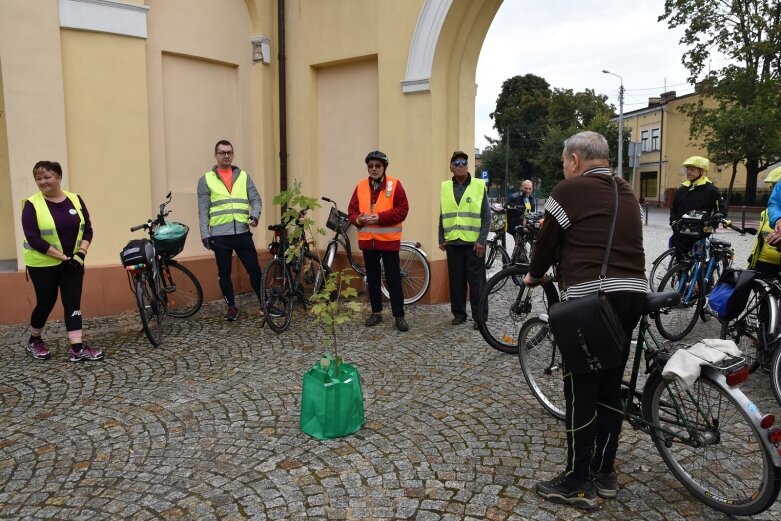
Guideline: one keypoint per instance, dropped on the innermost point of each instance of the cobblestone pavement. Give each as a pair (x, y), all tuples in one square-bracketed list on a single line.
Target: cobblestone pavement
[(206, 427)]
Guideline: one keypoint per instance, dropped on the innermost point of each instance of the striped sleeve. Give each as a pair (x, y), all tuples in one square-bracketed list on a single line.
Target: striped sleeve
[(555, 209)]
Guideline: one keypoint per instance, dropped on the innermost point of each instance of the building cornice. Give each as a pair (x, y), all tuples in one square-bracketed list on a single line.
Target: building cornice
[(104, 16)]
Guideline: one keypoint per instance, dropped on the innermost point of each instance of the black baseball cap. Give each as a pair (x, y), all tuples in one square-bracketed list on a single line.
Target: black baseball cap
[(458, 154)]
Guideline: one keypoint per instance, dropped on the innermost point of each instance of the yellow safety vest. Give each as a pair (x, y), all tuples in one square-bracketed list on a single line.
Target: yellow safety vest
[(462, 221), (226, 207), (762, 250), (384, 203), (32, 257)]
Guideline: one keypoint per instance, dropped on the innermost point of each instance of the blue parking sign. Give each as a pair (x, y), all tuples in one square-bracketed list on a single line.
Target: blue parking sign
[(484, 174)]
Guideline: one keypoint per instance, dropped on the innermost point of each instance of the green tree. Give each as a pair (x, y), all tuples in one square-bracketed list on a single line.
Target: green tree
[(539, 120), (743, 126)]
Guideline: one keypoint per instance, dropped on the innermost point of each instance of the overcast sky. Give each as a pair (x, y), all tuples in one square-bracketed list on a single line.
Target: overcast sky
[(570, 42)]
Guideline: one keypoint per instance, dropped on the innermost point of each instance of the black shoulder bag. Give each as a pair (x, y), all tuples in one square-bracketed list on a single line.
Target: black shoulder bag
[(587, 330)]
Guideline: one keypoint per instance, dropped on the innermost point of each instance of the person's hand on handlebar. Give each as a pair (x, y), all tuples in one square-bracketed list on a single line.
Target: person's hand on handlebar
[(532, 282)]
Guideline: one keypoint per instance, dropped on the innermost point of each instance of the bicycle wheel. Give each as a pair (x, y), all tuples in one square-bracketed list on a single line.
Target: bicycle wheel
[(675, 323), (277, 295), (149, 308), (415, 274), (503, 310), (542, 366), (495, 252), (313, 276), (709, 443), (660, 267), (748, 330), (182, 293)]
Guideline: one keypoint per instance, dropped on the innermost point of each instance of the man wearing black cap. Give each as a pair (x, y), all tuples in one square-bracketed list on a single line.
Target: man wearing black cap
[(464, 219)]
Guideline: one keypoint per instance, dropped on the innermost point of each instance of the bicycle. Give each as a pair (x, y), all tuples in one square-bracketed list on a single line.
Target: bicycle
[(495, 244), (693, 278), (287, 278), (712, 438), (506, 302), (415, 270), (161, 285), (757, 331)]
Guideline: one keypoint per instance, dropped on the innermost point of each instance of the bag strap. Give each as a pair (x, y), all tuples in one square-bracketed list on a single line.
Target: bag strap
[(603, 273)]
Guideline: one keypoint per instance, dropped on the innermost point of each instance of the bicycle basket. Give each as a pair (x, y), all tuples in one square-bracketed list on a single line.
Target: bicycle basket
[(137, 252), (497, 222), (170, 238), (337, 219), (694, 225)]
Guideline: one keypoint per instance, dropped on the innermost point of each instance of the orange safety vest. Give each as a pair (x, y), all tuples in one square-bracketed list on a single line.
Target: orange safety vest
[(384, 203)]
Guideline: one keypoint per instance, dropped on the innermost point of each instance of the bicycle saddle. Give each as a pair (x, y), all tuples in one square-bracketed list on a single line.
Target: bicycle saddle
[(658, 300), (717, 242), (277, 227)]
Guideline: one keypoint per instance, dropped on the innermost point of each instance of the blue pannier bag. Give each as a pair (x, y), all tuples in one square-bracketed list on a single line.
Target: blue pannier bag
[(730, 294)]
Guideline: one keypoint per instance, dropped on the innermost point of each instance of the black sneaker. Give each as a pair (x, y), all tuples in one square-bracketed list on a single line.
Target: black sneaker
[(373, 320), (559, 490), (606, 484), (232, 314), (401, 324)]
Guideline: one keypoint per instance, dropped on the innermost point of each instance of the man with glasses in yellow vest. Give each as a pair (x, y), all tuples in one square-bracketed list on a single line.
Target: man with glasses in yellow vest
[(464, 220), (228, 205)]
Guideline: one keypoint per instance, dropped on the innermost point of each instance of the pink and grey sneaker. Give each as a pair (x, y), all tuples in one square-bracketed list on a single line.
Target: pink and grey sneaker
[(86, 353), (38, 349)]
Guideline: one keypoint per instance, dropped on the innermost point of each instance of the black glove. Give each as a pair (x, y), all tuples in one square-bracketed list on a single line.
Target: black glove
[(207, 243), (77, 261)]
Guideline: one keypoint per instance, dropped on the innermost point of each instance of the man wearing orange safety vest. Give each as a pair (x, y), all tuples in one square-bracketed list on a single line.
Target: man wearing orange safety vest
[(377, 209)]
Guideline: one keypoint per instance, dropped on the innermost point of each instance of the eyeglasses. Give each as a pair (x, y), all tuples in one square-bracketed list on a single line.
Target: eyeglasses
[(225, 153), (460, 162)]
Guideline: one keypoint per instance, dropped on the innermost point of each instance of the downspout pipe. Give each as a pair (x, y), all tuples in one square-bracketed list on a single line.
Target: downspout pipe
[(282, 99)]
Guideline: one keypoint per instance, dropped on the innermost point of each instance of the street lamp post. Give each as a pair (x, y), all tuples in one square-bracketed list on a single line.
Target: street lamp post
[(620, 123)]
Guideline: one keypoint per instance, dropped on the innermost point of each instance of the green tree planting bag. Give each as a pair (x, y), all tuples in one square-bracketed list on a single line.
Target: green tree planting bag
[(331, 402)]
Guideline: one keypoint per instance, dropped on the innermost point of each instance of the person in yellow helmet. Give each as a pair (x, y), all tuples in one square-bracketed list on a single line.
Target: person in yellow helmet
[(697, 193), (765, 258)]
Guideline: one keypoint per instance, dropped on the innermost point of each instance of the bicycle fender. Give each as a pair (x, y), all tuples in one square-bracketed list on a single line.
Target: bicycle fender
[(415, 245), (753, 412)]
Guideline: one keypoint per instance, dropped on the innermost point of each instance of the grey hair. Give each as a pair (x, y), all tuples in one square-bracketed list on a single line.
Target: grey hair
[(589, 145), (527, 181)]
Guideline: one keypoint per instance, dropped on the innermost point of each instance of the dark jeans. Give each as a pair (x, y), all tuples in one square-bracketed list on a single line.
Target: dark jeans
[(592, 426), (47, 281), (390, 259), (464, 268), (223, 247)]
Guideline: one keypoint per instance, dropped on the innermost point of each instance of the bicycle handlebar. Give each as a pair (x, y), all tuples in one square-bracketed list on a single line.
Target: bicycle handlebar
[(141, 226)]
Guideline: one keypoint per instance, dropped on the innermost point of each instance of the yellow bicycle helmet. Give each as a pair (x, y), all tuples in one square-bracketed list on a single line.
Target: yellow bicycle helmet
[(698, 162), (774, 175)]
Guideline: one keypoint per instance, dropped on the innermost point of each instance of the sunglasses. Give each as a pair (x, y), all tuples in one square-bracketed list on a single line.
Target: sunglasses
[(460, 162)]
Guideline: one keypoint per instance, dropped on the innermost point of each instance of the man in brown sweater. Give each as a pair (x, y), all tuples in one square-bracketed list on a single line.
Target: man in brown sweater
[(574, 235)]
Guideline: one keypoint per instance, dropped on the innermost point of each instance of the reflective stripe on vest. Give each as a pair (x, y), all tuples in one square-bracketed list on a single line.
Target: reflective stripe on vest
[(226, 207), (463, 220), (32, 257), (384, 203)]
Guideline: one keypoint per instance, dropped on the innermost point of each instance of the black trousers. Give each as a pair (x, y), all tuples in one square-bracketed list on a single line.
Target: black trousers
[(464, 268), (47, 282), (390, 259), (223, 247), (592, 400)]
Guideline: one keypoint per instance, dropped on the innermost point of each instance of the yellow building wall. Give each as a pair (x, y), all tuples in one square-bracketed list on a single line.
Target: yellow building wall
[(108, 134), (7, 246)]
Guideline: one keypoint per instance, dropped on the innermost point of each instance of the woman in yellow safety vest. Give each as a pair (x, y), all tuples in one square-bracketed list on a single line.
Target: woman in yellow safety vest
[(58, 233), (765, 258)]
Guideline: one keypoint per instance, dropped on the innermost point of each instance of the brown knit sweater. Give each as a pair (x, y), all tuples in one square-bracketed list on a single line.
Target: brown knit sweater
[(575, 232)]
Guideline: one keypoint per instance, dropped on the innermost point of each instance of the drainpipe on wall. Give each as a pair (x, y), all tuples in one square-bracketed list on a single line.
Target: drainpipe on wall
[(659, 185), (282, 100)]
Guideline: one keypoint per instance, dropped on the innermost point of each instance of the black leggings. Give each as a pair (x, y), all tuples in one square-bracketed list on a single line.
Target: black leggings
[(46, 281)]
